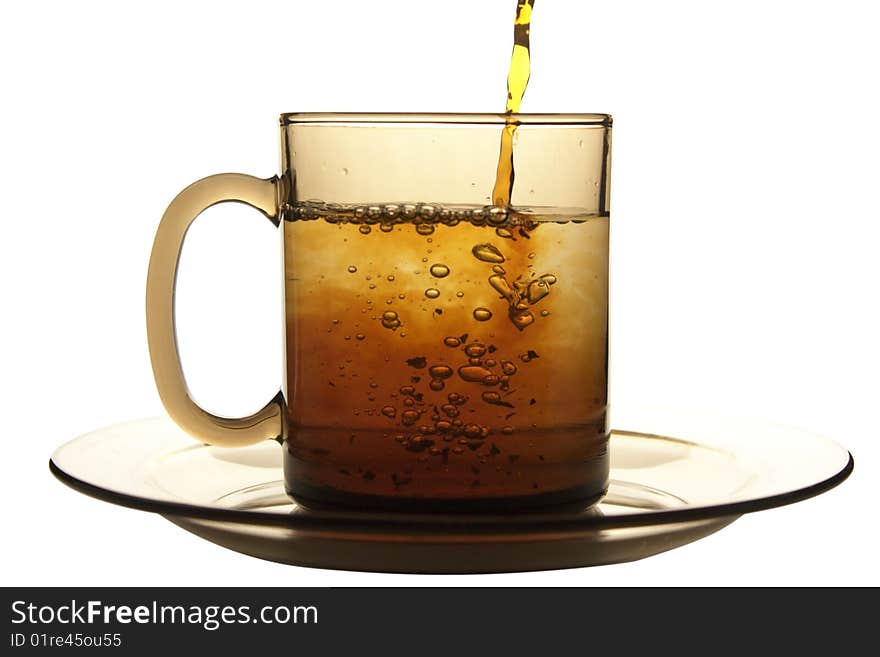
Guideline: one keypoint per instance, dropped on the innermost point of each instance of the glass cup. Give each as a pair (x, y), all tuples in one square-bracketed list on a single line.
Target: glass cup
[(442, 353)]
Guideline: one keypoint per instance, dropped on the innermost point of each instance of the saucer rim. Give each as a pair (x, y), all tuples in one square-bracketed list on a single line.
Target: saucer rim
[(471, 523)]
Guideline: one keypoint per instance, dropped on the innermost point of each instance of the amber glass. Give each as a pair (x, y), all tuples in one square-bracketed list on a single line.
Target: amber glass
[(442, 353)]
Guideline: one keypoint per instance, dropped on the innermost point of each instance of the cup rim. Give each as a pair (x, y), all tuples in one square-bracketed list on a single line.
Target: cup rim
[(442, 118)]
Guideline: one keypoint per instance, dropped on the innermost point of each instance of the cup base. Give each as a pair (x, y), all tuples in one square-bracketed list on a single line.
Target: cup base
[(327, 499)]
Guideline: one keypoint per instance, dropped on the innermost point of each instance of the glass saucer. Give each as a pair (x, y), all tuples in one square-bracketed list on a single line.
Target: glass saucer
[(675, 478)]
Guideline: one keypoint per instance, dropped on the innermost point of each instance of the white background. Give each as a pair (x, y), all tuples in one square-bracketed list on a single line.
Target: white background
[(745, 230)]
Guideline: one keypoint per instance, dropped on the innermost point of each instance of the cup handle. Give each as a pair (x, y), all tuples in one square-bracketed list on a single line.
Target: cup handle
[(265, 424)]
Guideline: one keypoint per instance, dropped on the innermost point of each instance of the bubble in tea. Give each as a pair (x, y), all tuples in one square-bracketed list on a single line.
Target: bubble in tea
[(409, 417), (475, 349), (440, 371), (487, 253), (500, 285), (439, 271), (482, 314), (390, 320), (522, 319), (537, 290), (473, 373)]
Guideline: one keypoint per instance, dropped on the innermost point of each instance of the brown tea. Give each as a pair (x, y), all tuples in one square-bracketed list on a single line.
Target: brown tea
[(440, 356)]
